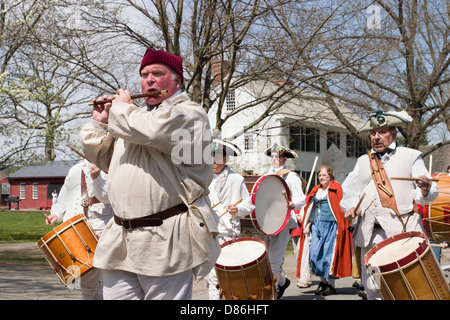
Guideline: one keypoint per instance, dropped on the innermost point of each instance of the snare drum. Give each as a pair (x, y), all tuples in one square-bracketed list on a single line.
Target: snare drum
[(436, 216), (271, 214), (243, 270), (407, 269), (69, 248)]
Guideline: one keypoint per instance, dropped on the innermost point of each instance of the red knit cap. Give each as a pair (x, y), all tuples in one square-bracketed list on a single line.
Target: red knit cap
[(160, 56)]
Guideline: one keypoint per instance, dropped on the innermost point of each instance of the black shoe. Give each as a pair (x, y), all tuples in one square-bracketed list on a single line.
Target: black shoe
[(329, 290), (283, 288), (321, 288), (362, 294)]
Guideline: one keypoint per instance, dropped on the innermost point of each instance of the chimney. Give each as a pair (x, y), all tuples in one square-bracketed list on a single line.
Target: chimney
[(220, 70)]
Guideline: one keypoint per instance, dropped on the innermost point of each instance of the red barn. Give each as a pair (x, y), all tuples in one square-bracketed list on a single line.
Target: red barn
[(33, 185)]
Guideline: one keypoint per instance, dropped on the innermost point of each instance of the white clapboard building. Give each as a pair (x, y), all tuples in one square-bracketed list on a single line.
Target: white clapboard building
[(304, 124)]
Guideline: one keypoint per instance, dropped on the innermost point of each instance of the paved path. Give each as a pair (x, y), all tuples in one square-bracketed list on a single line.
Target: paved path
[(36, 281)]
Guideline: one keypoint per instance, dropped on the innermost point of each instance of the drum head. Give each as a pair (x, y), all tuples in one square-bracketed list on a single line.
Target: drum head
[(397, 251), (241, 253), (271, 214)]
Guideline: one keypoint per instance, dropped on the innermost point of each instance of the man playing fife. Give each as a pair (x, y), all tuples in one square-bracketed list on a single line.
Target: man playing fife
[(163, 228)]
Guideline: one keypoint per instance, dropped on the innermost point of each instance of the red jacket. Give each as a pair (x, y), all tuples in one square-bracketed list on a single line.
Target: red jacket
[(342, 261)]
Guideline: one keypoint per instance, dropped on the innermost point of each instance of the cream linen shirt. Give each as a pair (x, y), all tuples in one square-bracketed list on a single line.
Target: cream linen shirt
[(137, 148)]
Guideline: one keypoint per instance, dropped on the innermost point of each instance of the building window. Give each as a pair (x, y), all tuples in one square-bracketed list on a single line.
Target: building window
[(248, 142), (230, 100), (22, 191), (333, 137), (304, 139), (355, 147), (35, 190)]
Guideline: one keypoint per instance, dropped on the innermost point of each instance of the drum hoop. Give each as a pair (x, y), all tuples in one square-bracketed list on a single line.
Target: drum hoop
[(247, 265), (65, 226), (253, 214), (411, 257)]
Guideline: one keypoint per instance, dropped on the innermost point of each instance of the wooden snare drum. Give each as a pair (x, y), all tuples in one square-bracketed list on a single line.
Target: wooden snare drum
[(407, 268), (69, 248), (243, 270), (436, 216)]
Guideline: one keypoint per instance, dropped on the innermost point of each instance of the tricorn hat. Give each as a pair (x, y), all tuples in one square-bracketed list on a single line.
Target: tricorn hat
[(226, 148), (386, 119), (281, 150)]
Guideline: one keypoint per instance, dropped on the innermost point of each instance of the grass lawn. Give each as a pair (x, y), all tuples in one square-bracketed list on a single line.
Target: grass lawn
[(19, 226)]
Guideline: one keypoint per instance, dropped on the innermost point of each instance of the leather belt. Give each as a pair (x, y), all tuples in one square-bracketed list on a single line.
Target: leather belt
[(153, 220)]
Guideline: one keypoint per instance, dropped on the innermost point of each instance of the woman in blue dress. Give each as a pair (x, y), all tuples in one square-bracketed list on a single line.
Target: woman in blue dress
[(331, 242)]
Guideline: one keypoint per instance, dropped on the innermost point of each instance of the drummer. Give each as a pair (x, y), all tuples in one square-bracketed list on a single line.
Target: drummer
[(226, 189), (374, 222), (98, 212), (276, 244)]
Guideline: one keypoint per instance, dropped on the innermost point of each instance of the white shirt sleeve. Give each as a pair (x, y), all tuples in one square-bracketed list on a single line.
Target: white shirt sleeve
[(350, 188), (245, 207), (295, 186), (418, 169)]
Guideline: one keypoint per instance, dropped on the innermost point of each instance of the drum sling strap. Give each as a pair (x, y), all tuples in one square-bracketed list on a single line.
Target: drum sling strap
[(383, 185), (282, 172), (87, 201)]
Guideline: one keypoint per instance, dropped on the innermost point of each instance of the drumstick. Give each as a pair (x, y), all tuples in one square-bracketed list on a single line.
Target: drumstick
[(46, 218), (80, 154), (359, 203), (439, 245), (233, 206), (285, 195), (77, 152), (412, 179), (216, 204)]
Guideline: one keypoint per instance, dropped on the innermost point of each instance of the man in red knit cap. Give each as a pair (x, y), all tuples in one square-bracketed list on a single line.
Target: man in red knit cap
[(163, 229)]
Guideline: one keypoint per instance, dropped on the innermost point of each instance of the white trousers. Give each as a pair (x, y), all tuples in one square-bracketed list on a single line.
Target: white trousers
[(276, 250), (373, 293), (211, 279), (123, 285), (92, 285)]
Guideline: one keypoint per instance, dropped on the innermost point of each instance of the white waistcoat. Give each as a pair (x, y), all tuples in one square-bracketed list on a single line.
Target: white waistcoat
[(398, 165)]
